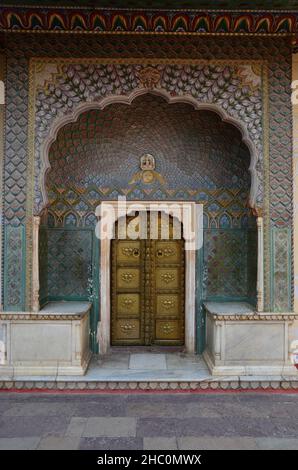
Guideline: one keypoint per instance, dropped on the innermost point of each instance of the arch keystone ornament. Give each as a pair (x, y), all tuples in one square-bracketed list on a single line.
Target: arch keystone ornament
[(149, 77)]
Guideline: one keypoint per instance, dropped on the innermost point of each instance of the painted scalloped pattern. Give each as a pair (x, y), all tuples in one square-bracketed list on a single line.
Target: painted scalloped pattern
[(82, 83), (193, 149)]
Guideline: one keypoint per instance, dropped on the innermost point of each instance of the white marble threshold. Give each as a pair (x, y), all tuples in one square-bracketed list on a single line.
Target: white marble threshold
[(144, 367)]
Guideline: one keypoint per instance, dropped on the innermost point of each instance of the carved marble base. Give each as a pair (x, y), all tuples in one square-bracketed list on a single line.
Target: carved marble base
[(242, 342), (52, 342)]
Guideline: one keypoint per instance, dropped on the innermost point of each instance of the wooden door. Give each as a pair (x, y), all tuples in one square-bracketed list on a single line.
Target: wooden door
[(147, 291)]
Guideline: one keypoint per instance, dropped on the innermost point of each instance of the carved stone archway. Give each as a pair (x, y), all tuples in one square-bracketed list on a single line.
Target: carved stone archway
[(127, 100), (196, 223), (123, 99)]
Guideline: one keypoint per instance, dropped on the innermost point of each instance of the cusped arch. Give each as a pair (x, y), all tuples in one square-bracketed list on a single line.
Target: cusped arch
[(61, 121)]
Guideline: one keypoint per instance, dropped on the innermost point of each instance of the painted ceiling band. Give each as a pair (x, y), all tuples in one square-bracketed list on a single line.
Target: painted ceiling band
[(54, 20)]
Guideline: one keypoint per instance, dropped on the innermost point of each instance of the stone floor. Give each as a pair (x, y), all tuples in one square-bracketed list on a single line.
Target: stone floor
[(147, 366), (148, 421)]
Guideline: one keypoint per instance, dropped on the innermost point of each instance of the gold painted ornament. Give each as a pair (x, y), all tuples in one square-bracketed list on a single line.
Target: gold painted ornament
[(147, 174)]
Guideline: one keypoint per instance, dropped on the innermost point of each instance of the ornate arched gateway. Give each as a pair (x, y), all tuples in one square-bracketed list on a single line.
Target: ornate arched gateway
[(195, 111), (248, 121), (196, 157)]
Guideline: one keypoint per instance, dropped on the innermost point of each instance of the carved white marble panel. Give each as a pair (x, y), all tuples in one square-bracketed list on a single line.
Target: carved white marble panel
[(54, 341), (41, 341), (3, 343), (247, 341)]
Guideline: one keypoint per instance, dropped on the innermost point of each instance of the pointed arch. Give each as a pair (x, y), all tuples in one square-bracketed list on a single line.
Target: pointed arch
[(60, 122)]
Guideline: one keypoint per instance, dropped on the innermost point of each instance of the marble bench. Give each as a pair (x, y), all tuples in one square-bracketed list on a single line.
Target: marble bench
[(241, 341), (51, 342)]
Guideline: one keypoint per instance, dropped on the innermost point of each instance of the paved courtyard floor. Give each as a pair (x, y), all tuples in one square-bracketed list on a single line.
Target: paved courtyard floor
[(149, 421)]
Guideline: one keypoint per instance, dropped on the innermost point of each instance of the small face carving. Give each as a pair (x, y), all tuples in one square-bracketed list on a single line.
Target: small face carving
[(147, 162), (148, 176)]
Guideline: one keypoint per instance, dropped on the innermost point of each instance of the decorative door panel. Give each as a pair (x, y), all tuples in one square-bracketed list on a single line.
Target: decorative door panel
[(128, 251), (128, 303), (168, 292), (167, 331), (167, 278), (128, 278), (148, 291), (168, 252), (168, 304), (127, 331), (127, 292)]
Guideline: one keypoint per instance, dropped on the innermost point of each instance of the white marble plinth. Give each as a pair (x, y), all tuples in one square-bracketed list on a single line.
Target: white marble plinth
[(53, 341), (240, 341)]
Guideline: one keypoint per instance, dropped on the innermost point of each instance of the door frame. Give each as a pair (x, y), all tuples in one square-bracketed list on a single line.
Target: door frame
[(195, 223)]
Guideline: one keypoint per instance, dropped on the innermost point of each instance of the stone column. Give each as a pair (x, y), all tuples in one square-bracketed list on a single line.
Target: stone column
[(35, 264), (295, 175), (217, 341), (260, 272), (2, 120)]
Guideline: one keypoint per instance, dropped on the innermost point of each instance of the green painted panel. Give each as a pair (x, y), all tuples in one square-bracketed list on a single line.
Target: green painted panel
[(14, 267), (281, 269), (69, 269), (69, 262), (43, 265), (230, 257)]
